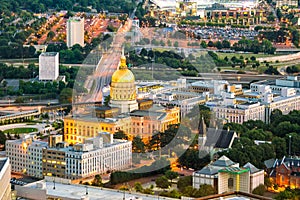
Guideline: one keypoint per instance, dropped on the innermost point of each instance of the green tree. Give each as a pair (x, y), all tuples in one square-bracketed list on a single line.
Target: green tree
[(218, 44), (184, 182), (285, 195), (162, 182), (203, 44), (97, 181), (138, 145), (138, 187), (66, 96), (205, 190), (210, 44), (226, 44), (106, 100), (259, 190), (176, 44), (120, 135), (279, 146), (171, 175), (2, 138)]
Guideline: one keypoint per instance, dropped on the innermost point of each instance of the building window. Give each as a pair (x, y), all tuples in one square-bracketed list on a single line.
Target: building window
[(230, 183)]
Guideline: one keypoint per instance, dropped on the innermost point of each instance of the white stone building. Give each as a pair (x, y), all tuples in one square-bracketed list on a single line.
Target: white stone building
[(48, 66), (75, 31), (98, 155), (26, 155), (239, 113)]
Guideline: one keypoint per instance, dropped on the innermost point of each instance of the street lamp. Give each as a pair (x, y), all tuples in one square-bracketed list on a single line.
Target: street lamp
[(290, 141), (86, 190), (54, 184)]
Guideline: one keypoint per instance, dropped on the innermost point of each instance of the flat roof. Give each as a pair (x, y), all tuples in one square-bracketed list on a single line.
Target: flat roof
[(49, 54), (94, 193)]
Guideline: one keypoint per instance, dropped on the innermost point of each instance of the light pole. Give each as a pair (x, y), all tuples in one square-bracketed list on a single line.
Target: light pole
[(290, 141), (86, 190), (54, 184)]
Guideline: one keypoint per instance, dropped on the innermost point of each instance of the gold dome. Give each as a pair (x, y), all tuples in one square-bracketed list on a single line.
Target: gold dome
[(123, 74)]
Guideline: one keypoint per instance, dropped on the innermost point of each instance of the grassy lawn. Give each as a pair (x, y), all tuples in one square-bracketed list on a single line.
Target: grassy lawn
[(20, 130)]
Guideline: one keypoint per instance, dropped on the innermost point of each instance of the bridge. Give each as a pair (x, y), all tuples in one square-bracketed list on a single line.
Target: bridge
[(23, 116)]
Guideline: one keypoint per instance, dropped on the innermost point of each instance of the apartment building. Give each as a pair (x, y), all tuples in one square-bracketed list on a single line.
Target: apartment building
[(75, 31)]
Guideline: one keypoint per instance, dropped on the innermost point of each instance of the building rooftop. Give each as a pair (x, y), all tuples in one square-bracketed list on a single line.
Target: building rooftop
[(234, 170), (219, 138), (71, 191), (49, 54), (251, 167), (223, 162)]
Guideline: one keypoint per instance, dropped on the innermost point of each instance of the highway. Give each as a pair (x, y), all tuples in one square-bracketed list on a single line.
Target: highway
[(108, 64)]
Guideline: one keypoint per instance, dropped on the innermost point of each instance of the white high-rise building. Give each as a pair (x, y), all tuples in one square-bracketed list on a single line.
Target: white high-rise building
[(75, 31), (26, 155), (5, 191), (48, 66)]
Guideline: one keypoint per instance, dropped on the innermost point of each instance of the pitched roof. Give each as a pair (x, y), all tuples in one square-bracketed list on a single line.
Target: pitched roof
[(251, 167), (208, 170), (269, 163), (223, 162), (219, 138)]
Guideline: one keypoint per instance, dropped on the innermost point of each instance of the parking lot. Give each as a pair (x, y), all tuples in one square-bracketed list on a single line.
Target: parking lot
[(223, 33)]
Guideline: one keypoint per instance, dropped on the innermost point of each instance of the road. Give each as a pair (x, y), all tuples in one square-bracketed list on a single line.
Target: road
[(40, 127)]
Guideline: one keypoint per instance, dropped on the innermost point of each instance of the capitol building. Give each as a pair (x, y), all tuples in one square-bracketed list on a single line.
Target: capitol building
[(136, 117), (123, 90)]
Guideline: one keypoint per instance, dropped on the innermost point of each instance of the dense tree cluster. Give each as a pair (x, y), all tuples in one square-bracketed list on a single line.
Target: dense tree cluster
[(9, 72), (157, 167), (38, 6), (254, 46), (277, 135)]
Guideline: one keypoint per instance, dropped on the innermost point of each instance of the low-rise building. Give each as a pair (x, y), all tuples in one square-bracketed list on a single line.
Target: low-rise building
[(5, 170), (139, 122), (291, 3), (226, 176), (209, 174), (239, 113), (284, 172), (95, 156)]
